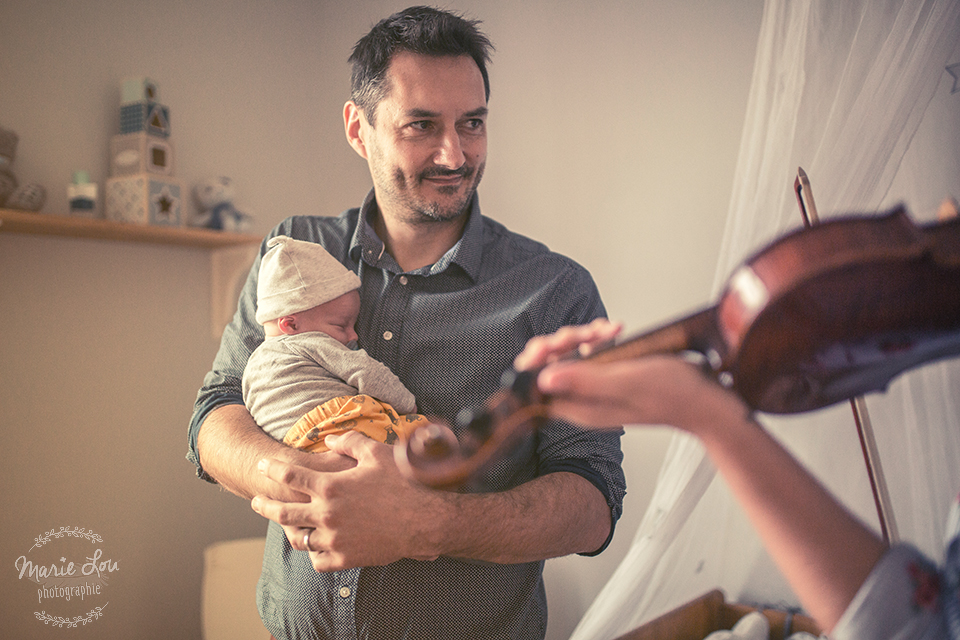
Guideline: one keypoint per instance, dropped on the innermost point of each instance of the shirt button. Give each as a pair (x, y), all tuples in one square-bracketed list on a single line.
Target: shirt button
[(344, 592), (388, 335), (403, 280)]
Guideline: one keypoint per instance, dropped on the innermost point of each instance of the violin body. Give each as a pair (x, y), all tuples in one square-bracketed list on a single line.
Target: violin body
[(817, 317), (838, 310)]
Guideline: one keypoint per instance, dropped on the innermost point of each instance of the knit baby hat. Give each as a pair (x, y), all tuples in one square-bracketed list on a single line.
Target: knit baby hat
[(296, 276)]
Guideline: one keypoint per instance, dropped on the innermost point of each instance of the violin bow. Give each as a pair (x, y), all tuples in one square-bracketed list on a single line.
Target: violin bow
[(868, 444)]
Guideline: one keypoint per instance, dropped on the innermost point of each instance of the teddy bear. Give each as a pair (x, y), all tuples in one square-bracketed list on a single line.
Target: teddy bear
[(215, 197), (29, 197)]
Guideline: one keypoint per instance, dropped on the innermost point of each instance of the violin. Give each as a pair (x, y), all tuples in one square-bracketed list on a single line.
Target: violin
[(820, 315)]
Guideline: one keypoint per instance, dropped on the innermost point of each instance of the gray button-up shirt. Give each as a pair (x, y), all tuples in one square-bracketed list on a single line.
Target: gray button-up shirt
[(448, 331)]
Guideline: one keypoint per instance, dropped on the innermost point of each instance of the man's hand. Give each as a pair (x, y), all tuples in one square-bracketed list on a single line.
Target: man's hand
[(363, 516), (234, 466)]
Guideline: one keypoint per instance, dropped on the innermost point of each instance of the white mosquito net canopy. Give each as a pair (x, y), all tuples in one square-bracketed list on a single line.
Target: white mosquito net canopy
[(865, 96)]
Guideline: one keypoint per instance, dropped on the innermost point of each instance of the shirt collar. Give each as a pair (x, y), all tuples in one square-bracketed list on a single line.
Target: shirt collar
[(466, 253)]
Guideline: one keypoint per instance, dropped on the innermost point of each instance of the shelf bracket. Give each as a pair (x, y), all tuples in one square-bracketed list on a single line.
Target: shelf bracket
[(228, 270)]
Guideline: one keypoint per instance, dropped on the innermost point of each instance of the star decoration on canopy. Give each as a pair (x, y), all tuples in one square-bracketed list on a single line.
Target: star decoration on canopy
[(954, 70)]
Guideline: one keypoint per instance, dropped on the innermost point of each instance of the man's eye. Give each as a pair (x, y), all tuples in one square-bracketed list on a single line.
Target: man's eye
[(473, 126), (420, 125)]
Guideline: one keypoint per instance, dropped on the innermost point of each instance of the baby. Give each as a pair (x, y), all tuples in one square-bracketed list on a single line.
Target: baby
[(306, 380)]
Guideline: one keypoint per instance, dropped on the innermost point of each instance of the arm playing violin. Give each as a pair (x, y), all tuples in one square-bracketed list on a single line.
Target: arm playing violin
[(824, 551)]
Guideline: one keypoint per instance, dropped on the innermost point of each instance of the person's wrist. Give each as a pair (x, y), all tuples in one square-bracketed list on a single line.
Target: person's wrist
[(726, 415), (720, 408), (436, 532)]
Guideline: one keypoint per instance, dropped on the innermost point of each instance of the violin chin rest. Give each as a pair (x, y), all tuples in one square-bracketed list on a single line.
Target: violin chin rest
[(845, 371)]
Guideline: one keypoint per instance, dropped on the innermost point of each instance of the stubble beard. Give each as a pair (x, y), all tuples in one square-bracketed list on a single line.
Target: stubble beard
[(422, 211)]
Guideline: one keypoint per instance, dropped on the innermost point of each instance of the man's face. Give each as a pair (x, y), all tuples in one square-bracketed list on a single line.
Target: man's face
[(429, 147)]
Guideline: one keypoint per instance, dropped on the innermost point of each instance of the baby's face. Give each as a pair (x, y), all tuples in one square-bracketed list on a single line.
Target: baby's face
[(337, 318)]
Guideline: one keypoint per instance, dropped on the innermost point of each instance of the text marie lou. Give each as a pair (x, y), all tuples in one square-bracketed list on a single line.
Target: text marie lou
[(92, 566)]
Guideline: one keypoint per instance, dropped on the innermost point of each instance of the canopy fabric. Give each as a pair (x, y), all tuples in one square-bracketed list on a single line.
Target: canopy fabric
[(859, 95)]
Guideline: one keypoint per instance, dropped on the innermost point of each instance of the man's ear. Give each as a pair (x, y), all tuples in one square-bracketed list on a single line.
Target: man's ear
[(353, 122), (287, 325)]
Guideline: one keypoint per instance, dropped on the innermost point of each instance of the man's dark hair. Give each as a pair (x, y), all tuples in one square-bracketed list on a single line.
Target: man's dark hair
[(420, 30)]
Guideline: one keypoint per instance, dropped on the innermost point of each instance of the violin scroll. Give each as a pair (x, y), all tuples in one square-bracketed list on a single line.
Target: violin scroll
[(435, 456)]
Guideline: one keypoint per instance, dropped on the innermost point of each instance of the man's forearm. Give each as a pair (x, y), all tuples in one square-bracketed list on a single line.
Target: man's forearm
[(230, 444), (551, 516)]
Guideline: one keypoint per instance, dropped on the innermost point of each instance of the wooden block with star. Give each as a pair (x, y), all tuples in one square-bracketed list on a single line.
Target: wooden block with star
[(145, 198)]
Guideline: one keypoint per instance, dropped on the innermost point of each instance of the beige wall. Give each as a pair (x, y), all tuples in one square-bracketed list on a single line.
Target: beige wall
[(614, 133)]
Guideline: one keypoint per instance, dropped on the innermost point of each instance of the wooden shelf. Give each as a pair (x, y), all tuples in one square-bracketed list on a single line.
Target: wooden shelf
[(12, 221), (231, 254)]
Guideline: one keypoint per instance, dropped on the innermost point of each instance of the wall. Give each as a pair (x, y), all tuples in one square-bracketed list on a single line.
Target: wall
[(614, 133)]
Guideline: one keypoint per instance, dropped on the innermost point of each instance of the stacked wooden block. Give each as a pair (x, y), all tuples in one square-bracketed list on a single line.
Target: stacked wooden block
[(142, 187)]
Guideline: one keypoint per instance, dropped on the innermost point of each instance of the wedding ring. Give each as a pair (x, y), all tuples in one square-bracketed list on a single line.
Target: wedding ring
[(306, 539)]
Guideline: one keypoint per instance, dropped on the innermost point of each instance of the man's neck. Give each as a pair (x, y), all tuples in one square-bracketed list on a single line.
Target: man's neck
[(418, 244)]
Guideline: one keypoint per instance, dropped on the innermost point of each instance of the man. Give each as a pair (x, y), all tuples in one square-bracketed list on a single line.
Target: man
[(448, 298)]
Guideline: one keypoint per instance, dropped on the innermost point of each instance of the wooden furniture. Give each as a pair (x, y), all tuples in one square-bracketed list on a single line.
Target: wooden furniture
[(228, 605), (710, 612), (231, 254)]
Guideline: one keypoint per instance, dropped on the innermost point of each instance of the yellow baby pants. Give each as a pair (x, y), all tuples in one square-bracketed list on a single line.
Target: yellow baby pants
[(369, 416)]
